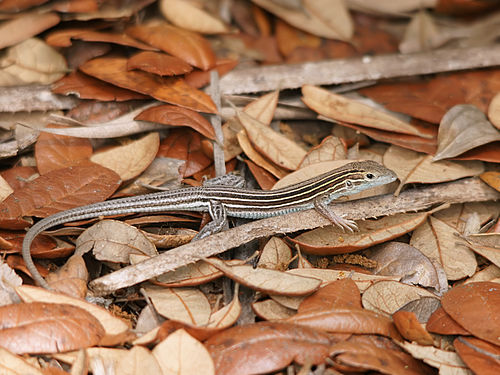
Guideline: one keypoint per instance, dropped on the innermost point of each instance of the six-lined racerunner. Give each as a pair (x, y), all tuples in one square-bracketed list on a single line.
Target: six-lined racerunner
[(222, 201)]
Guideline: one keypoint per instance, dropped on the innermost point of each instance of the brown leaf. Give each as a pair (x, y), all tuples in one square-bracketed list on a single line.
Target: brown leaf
[(71, 279), (475, 307), (200, 78), (494, 111), (265, 179), (481, 356), (170, 90), (158, 63), (54, 151), (463, 128), (290, 38), (19, 176), (86, 87), (410, 328), (107, 37), (492, 179), (339, 294), (186, 45), (177, 116), (430, 100), (441, 323), (57, 191), (40, 327), (26, 26), (271, 346), (332, 240)]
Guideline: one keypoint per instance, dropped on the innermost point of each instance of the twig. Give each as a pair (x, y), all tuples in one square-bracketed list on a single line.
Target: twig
[(466, 190)]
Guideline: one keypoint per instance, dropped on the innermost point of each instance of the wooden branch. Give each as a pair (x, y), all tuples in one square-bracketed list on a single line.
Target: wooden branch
[(467, 190), (273, 77), (34, 98)]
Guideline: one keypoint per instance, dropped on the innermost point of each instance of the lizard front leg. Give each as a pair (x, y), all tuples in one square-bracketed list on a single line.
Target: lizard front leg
[(218, 214), (321, 205)]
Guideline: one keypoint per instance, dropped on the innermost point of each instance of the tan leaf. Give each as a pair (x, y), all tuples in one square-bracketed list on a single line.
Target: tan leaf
[(114, 241), (268, 281), (271, 310), (322, 18), (71, 279), (274, 145), (332, 240), (25, 26), (362, 280), (492, 179), (330, 148), (180, 354), (13, 364), (228, 315), (421, 34), (158, 63), (463, 128), (5, 189), (256, 157), (339, 108), (486, 245), (9, 280), (276, 255), (447, 362), (411, 167), (187, 305), (438, 241), (189, 16), (184, 44), (138, 360), (115, 328), (489, 273), (96, 357), (494, 111), (167, 89), (387, 297), (41, 327), (190, 275), (31, 61), (263, 107), (131, 159)]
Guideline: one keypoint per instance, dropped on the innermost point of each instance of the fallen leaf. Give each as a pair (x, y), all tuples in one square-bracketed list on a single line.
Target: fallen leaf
[(339, 108), (40, 327), (200, 78), (184, 44), (492, 179), (479, 355), (494, 111), (158, 63), (271, 310), (475, 307), (276, 255), (463, 128), (190, 16), (190, 275), (138, 360), (171, 90), (271, 346), (267, 281), (177, 116), (131, 159), (441, 323), (58, 191), (25, 26), (71, 279), (330, 148), (180, 353), (412, 167), (410, 328), (13, 364)]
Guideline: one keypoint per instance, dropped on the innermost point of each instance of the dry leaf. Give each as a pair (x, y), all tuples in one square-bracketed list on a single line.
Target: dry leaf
[(322, 18), (387, 297), (412, 167), (189, 275), (268, 281), (13, 364), (114, 241), (410, 328), (276, 255), (40, 327), (271, 310), (494, 111), (31, 61), (263, 108), (339, 108), (9, 280), (138, 360), (71, 279), (437, 241), (421, 34), (158, 63), (333, 240), (187, 305), (166, 89), (331, 148), (463, 128), (479, 355), (189, 15), (131, 159), (25, 26)]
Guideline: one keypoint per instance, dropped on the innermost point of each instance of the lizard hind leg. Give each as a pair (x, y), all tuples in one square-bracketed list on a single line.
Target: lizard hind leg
[(321, 205), (219, 219)]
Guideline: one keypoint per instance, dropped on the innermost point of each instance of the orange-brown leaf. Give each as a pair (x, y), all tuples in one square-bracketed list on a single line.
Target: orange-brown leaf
[(57, 191), (481, 356), (265, 347), (440, 322), (200, 78), (410, 328), (86, 87), (54, 151), (40, 327), (158, 63), (177, 116), (171, 90), (475, 307), (186, 45)]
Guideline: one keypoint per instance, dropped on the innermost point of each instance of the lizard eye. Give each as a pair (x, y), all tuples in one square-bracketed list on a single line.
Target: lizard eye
[(348, 184), (370, 176)]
